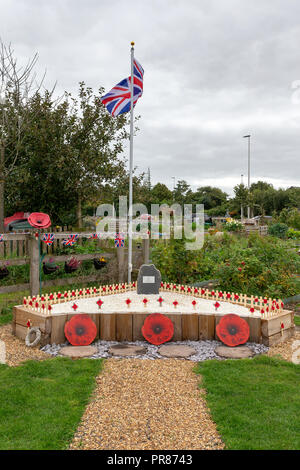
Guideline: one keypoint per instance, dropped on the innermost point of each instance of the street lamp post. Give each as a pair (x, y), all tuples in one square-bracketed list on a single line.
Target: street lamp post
[(248, 137)]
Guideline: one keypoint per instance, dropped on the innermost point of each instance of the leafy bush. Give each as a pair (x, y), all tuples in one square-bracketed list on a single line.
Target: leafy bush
[(263, 266), (278, 230), (291, 217), (233, 226), (293, 234)]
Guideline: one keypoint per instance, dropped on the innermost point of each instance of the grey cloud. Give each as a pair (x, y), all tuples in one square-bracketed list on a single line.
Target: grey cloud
[(214, 70)]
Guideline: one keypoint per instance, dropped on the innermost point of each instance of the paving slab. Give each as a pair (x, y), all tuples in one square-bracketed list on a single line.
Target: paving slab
[(238, 352), (78, 351), (126, 350), (173, 350)]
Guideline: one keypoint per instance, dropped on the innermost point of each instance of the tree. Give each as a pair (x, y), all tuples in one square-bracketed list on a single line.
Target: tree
[(16, 86), (210, 196), (70, 153), (96, 142), (241, 196), (182, 193), (161, 194)]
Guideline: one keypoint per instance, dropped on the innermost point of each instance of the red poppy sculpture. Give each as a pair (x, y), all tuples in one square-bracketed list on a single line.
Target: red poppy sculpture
[(157, 329), (39, 220), (80, 330), (233, 330)]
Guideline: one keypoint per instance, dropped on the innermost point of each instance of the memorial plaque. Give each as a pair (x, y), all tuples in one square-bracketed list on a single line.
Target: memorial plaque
[(149, 280)]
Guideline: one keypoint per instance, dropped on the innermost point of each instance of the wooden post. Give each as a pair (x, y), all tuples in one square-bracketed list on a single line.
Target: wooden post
[(121, 264), (146, 250), (34, 266)]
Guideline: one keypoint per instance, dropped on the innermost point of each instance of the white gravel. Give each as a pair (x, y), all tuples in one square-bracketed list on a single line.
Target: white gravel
[(204, 349), (116, 303)]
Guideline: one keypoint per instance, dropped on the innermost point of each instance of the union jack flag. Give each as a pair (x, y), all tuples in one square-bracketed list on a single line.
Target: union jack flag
[(48, 238), (117, 100), (94, 236), (71, 240), (1, 237), (119, 241)]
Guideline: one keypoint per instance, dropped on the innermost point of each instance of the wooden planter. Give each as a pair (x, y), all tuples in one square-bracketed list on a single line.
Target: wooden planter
[(4, 273), (99, 264), (70, 269), (47, 270), (127, 326)]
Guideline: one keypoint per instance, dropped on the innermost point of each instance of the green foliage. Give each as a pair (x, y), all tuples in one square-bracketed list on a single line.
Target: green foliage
[(42, 402), (70, 150), (160, 194), (255, 265), (233, 226), (278, 230), (293, 234), (291, 217), (254, 402)]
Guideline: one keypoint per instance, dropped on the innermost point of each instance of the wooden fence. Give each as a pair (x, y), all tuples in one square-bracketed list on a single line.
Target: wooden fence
[(265, 307), (261, 229), (30, 249)]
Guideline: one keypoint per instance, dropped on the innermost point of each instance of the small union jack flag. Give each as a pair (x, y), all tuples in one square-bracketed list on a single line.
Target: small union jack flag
[(119, 241), (1, 238), (94, 236), (71, 240), (48, 238)]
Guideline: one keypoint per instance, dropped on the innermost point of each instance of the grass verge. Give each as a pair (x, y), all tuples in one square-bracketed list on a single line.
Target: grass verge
[(297, 320), (255, 403), (42, 402)]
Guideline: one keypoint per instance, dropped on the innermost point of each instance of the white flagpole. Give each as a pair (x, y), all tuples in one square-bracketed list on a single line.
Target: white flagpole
[(130, 170)]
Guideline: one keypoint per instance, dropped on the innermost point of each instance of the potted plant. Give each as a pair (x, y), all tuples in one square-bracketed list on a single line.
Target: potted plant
[(4, 271), (71, 265), (99, 263), (49, 266)]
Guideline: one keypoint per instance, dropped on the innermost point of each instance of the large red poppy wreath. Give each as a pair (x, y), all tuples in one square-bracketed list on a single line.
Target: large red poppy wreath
[(233, 330), (80, 330), (157, 329)]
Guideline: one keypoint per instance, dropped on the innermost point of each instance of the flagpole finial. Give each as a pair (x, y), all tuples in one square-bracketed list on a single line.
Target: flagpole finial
[(132, 43)]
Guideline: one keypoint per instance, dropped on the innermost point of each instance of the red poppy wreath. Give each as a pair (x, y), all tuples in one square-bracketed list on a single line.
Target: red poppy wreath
[(157, 329), (80, 330), (233, 330)]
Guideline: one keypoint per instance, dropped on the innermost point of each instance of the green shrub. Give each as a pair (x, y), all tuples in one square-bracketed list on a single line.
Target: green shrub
[(233, 226), (278, 230), (263, 266), (293, 234)]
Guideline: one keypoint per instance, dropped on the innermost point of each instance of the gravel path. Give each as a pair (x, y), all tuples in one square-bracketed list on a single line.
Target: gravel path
[(16, 350), (287, 348), (144, 404)]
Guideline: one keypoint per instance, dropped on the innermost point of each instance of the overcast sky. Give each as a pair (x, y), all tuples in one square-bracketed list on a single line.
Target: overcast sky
[(215, 70)]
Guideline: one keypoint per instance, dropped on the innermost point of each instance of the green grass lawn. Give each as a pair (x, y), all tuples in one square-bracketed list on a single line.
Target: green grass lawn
[(297, 320), (254, 402), (42, 402)]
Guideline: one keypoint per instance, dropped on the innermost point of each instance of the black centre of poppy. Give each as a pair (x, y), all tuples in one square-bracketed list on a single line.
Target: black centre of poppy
[(232, 330), (80, 330), (157, 329)]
